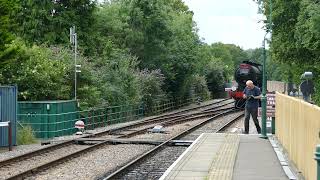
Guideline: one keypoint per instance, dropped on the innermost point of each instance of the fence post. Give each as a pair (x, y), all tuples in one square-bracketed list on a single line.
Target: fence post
[(317, 158), (10, 136), (93, 119), (273, 125)]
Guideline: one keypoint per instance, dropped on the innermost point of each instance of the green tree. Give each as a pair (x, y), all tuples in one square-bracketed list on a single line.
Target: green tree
[(48, 21), (161, 34), (215, 76), (295, 37), (151, 83), (307, 31), (7, 52), (40, 72)]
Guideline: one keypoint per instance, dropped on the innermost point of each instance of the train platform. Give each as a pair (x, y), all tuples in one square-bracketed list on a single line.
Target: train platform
[(221, 156)]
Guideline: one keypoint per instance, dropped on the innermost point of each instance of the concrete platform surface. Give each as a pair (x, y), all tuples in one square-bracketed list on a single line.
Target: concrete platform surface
[(256, 160), (227, 156)]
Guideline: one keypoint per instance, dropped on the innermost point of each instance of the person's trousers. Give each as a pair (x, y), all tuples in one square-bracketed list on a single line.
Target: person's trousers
[(254, 114)]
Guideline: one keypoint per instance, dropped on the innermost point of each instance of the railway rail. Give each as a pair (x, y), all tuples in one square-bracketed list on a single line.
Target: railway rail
[(167, 119), (143, 166)]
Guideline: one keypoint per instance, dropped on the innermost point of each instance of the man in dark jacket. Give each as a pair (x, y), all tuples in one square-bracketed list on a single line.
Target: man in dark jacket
[(252, 94)]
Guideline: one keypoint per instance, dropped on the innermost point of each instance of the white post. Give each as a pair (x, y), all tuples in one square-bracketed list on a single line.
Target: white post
[(75, 65), (73, 41)]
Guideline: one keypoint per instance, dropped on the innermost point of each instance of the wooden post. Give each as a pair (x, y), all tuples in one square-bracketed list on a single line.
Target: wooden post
[(8, 125), (10, 136)]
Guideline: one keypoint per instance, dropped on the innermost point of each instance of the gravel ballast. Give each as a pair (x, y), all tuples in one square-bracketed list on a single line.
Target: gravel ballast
[(22, 149), (18, 167), (97, 162), (153, 167), (92, 165)]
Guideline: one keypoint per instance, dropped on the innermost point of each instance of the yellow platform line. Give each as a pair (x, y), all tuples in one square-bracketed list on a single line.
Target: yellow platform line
[(223, 162)]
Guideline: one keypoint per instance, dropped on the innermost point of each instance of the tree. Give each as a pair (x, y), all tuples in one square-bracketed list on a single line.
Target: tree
[(7, 52), (41, 73), (307, 31), (48, 21), (296, 37)]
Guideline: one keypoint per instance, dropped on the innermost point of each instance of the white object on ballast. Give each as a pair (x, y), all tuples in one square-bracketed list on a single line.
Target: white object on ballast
[(157, 129), (80, 126)]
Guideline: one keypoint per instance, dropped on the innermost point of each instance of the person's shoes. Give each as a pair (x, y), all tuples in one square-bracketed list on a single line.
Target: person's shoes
[(244, 132), (259, 131)]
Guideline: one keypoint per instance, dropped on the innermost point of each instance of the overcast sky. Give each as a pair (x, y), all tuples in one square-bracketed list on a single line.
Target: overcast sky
[(228, 21)]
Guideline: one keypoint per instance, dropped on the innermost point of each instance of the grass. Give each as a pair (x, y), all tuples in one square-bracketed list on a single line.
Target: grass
[(25, 135)]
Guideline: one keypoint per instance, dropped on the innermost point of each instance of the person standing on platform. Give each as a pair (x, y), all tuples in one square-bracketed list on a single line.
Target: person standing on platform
[(252, 94)]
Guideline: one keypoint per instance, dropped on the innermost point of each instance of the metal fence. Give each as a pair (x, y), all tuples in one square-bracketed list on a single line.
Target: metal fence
[(168, 105), (53, 125), (297, 128), (59, 124)]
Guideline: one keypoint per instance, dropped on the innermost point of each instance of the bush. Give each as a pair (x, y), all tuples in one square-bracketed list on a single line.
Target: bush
[(116, 79), (194, 87), (200, 87), (25, 135), (39, 71), (215, 77), (151, 83)]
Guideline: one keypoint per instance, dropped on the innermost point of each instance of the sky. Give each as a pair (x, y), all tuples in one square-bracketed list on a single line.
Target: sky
[(228, 21)]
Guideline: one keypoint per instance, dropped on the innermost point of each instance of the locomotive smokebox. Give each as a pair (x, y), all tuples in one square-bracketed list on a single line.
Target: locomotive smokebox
[(248, 71)]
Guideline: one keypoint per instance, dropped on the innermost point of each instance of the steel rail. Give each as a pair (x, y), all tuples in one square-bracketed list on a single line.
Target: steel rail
[(162, 117), (69, 142), (227, 124), (175, 121), (159, 147), (55, 162)]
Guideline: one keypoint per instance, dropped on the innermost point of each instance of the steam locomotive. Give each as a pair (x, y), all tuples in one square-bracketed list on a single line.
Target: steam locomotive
[(247, 70)]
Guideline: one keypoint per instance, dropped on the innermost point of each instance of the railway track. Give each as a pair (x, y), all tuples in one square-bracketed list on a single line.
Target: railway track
[(153, 164), (73, 150)]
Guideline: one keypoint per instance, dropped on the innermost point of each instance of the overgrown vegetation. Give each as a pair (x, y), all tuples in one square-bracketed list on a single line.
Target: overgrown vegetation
[(130, 51), (295, 39), (25, 135)]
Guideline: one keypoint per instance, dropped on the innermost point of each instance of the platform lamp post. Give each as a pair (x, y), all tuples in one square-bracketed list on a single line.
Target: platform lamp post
[(264, 79), (264, 98)]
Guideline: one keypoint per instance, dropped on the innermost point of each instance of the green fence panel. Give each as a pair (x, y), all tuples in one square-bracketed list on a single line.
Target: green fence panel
[(48, 118), (56, 118)]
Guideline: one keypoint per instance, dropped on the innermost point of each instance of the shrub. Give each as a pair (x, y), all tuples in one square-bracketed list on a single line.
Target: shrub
[(194, 87), (25, 135), (151, 83)]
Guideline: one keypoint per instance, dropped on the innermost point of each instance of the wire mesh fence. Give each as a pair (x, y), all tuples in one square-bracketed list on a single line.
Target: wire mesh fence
[(54, 125), (60, 124)]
